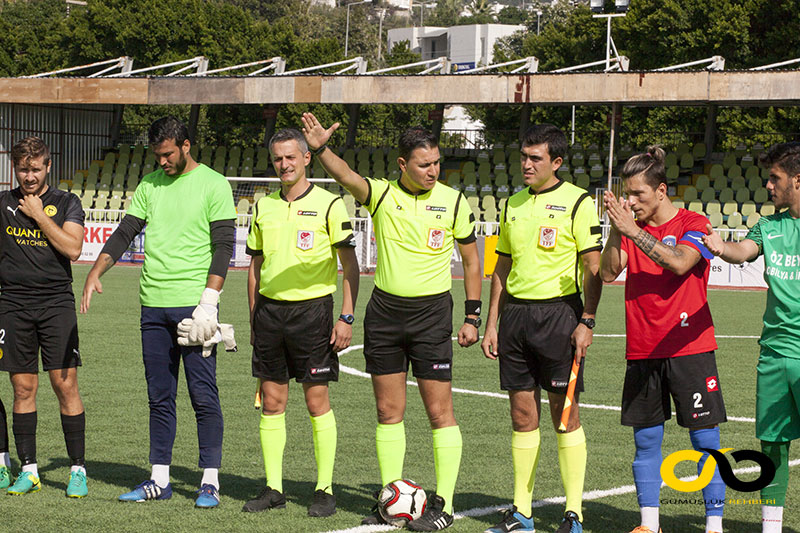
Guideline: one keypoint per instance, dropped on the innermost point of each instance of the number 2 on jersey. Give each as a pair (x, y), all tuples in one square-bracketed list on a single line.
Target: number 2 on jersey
[(684, 319)]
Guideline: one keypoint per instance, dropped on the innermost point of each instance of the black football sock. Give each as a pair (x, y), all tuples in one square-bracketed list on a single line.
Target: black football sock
[(75, 437), (24, 428)]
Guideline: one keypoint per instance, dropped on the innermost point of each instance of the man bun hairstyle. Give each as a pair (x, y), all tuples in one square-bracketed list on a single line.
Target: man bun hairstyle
[(30, 148), (785, 155), (547, 134), (649, 164), (168, 128), (413, 138)]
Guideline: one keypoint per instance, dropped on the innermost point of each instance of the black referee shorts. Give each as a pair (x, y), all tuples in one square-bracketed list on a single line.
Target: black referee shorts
[(292, 340), (691, 380), (399, 330), (534, 344), (24, 331)]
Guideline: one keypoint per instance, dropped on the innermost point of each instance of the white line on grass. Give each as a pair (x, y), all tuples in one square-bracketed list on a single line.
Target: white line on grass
[(587, 496), (359, 373)]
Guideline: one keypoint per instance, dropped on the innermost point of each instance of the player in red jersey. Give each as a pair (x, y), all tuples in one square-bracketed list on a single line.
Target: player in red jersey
[(670, 334)]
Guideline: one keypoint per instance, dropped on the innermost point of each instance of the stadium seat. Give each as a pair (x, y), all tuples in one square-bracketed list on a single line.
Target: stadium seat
[(748, 208), (738, 183), (699, 150), (350, 205), (490, 214), (696, 206), (77, 182), (582, 181), (760, 195), (689, 194), (243, 207), (725, 195), (729, 208), (742, 195), (746, 161), (728, 160), (719, 183), (248, 153), (715, 171), (678, 203), (707, 195), (473, 204), (686, 161), (754, 182), (767, 208), (713, 207), (63, 185), (734, 172), (734, 219), (752, 220), (671, 159), (206, 155), (577, 160), (673, 171), (596, 172), (715, 219), (454, 180), (262, 160), (702, 182)]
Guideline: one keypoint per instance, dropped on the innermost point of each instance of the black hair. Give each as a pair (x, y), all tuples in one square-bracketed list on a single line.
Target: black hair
[(413, 138), (547, 134), (785, 155), (167, 128)]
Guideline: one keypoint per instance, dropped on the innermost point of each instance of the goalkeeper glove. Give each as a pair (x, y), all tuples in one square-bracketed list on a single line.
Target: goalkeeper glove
[(204, 317), (224, 334)]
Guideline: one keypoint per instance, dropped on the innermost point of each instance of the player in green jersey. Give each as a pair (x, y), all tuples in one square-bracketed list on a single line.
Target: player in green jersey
[(777, 238), (409, 317)]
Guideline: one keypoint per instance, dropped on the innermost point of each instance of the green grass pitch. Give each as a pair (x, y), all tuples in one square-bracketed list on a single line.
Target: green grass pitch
[(113, 388)]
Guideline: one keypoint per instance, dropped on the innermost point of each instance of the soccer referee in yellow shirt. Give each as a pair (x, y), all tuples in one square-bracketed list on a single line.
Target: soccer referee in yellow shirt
[(549, 248), (295, 236), (409, 316)]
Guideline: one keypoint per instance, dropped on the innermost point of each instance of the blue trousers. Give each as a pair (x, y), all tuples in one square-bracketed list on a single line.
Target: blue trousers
[(162, 359)]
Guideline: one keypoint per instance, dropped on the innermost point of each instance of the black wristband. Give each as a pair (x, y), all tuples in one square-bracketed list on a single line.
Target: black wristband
[(472, 307), (320, 149)]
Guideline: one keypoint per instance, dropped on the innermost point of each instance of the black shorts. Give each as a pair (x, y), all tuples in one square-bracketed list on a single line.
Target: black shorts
[(534, 344), (293, 340), (399, 330), (24, 331), (691, 380)]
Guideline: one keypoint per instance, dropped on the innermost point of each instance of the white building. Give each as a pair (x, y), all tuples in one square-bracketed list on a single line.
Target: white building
[(465, 46)]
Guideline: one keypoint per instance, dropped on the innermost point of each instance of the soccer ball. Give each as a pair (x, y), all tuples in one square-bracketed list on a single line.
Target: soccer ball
[(401, 501)]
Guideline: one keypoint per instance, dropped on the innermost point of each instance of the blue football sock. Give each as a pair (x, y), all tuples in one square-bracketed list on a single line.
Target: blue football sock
[(714, 493), (647, 464)]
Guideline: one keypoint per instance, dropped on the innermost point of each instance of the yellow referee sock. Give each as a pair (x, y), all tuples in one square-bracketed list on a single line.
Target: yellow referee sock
[(572, 463), (272, 429), (390, 443), (324, 429), (447, 447), (525, 456)]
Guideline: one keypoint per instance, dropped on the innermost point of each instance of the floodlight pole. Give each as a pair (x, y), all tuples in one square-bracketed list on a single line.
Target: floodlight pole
[(609, 40), (538, 20), (347, 25)]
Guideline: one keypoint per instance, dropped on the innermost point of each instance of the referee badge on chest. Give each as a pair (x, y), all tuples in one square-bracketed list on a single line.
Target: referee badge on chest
[(435, 238), (547, 237), (305, 239)]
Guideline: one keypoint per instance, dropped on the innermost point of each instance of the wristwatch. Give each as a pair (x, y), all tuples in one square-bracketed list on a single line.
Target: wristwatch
[(347, 319), (588, 322), (473, 322)]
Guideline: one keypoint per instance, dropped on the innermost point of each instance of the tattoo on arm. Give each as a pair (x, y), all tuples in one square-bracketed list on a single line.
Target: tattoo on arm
[(107, 264), (655, 249)]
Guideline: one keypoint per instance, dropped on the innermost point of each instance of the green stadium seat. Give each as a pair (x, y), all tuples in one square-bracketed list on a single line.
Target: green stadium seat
[(713, 207), (748, 208), (715, 219), (686, 161), (243, 207), (490, 214), (746, 161), (262, 160), (488, 201), (708, 195), (728, 160), (454, 180), (671, 159), (752, 220), (582, 181), (729, 207), (754, 183), (740, 150), (725, 195), (689, 194), (577, 160), (596, 172), (206, 155), (673, 171), (473, 204), (63, 185), (734, 220), (702, 182), (742, 195), (760, 195), (767, 208), (699, 150), (696, 206), (716, 171), (678, 203), (719, 183), (734, 172)]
